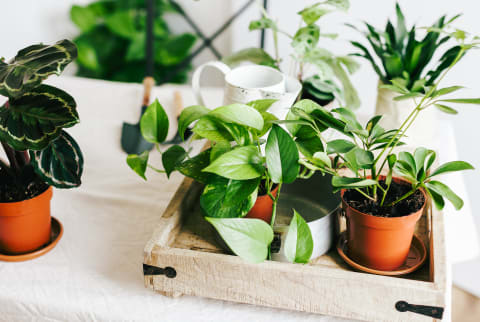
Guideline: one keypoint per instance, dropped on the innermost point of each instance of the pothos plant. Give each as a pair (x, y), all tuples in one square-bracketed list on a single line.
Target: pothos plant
[(366, 150), (401, 58), (233, 169), (329, 80), (32, 120)]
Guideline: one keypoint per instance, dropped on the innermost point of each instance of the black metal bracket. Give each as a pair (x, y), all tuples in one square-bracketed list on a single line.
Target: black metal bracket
[(168, 271), (432, 311)]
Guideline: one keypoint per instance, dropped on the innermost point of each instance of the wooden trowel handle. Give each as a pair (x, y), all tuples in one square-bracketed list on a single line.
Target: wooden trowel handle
[(148, 83)]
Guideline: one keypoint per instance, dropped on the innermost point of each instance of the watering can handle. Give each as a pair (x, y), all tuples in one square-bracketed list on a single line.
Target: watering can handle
[(197, 74)]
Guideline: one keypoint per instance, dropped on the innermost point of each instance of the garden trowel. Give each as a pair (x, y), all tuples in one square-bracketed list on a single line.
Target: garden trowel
[(132, 139)]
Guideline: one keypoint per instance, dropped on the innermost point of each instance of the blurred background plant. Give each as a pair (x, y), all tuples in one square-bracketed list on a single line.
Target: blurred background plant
[(111, 44)]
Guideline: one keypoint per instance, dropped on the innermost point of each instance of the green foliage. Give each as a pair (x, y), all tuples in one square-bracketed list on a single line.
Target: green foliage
[(112, 41), (33, 118), (330, 80), (400, 54), (154, 123), (299, 242), (138, 163), (247, 238), (282, 156), (241, 163)]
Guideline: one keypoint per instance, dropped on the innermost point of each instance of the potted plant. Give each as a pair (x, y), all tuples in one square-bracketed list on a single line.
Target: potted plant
[(402, 59), (381, 207), (327, 79), (242, 183), (40, 153)]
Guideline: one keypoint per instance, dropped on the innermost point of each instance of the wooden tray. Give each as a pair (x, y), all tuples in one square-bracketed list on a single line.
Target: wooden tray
[(183, 257)]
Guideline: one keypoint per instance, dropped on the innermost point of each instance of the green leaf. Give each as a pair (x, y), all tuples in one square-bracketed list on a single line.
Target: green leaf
[(268, 121), (363, 158), (343, 5), (419, 156), (282, 156), (392, 159), (188, 116), (241, 163), (306, 39), (226, 198), (83, 17), (339, 146), (262, 23), (299, 241), (407, 96), (175, 49), (321, 159), (348, 183), (452, 167), (239, 114), (437, 199), (247, 238), (311, 14), (136, 48), (121, 23), (173, 157), (443, 190), (409, 159), (193, 167), (87, 56), (211, 129), (61, 163), (462, 100), (254, 55), (446, 109), (33, 64), (352, 100), (446, 90), (218, 149), (138, 163), (262, 105), (154, 123), (37, 117), (309, 146)]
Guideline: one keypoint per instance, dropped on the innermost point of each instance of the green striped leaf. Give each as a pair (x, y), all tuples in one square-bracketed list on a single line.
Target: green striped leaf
[(33, 64), (31, 121), (61, 163)]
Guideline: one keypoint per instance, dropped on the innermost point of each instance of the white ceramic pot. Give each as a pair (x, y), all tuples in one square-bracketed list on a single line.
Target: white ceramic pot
[(421, 133), (314, 200)]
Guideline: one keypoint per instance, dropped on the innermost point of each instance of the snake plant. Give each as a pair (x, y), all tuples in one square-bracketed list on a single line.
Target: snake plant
[(33, 118)]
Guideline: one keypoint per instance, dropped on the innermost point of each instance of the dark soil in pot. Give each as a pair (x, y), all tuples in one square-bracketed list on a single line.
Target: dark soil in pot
[(405, 207), (27, 186)]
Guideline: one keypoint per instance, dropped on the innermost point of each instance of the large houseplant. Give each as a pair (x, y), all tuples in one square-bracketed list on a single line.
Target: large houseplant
[(40, 153), (324, 75), (405, 58), (381, 208), (111, 44), (238, 176)]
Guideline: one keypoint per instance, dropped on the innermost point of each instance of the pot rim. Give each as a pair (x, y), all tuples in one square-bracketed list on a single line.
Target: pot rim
[(342, 192), (45, 194)]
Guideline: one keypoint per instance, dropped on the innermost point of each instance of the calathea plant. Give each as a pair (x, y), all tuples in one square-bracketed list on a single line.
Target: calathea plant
[(400, 58), (234, 170), (32, 120), (329, 80)]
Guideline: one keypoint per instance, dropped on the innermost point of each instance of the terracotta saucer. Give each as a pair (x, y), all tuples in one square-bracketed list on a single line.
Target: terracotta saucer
[(416, 257), (56, 235)]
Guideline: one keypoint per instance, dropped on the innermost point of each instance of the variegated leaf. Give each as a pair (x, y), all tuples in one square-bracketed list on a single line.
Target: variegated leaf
[(33, 64), (61, 163), (37, 117)]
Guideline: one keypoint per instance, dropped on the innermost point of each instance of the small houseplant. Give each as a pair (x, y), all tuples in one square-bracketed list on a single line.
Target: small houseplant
[(381, 207), (400, 58), (242, 183), (329, 79), (40, 153), (111, 44)]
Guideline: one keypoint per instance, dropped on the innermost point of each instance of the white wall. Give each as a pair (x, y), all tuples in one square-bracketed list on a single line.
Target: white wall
[(24, 22)]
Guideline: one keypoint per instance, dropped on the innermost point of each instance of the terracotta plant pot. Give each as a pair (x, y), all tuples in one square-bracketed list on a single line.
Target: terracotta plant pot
[(25, 225), (263, 207), (380, 243)]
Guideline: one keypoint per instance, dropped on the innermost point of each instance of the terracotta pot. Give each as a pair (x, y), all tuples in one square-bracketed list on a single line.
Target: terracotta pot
[(25, 225), (380, 243), (263, 207)]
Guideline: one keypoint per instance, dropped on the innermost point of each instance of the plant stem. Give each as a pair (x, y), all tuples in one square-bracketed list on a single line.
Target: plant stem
[(272, 221), (363, 193), (10, 152), (408, 194)]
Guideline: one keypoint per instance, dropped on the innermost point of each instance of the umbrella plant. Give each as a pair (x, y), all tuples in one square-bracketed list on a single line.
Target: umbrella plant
[(234, 170), (32, 121), (329, 79)]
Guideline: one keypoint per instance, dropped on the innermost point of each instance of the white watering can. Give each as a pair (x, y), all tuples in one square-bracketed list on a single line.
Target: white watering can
[(252, 82)]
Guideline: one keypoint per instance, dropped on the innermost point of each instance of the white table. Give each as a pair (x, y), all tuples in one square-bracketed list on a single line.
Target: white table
[(95, 272)]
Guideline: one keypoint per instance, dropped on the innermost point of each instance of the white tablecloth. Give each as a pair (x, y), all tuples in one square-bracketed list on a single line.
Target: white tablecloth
[(95, 272)]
